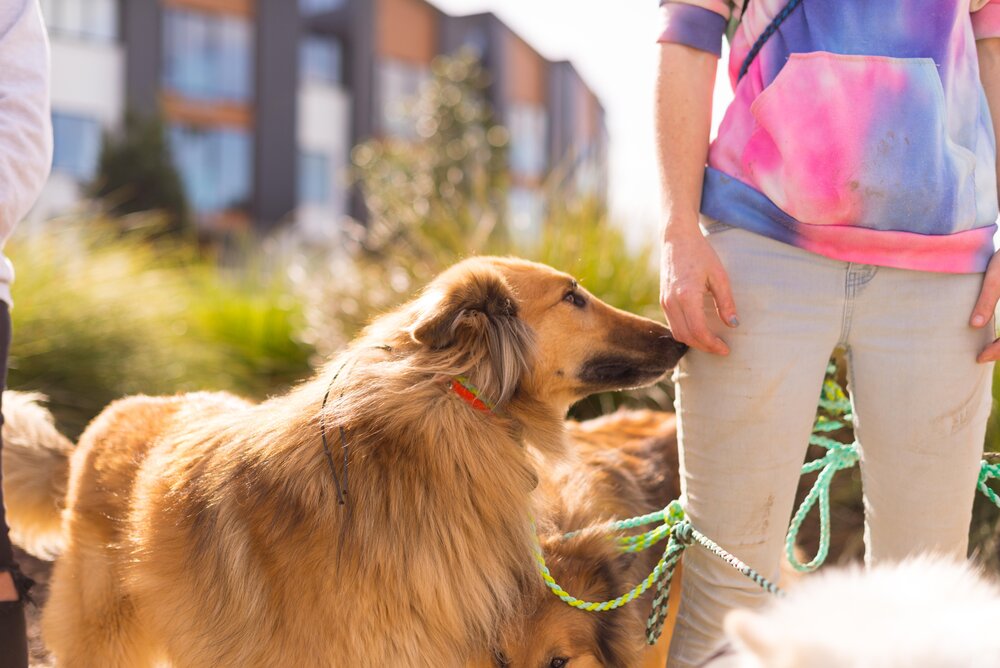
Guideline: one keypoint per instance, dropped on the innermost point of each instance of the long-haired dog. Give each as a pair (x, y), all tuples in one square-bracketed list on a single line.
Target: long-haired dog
[(924, 612), (377, 515)]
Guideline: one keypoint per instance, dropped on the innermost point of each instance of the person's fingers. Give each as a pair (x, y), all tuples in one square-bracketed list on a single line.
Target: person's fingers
[(990, 353), (988, 296), (702, 337), (676, 322), (718, 283)]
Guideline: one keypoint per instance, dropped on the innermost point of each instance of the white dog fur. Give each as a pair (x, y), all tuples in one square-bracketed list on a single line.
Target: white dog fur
[(921, 613)]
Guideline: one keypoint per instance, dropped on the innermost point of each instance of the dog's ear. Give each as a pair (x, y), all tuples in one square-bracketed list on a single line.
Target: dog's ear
[(473, 313)]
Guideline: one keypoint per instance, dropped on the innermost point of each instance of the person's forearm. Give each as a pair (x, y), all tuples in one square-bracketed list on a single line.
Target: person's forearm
[(684, 88), (25, 123), (989, 74)]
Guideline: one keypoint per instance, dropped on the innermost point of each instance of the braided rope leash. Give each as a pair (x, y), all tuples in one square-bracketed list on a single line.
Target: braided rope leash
[(673, 525), (683, 535), (838, 457), (669, 516), (988, 471)]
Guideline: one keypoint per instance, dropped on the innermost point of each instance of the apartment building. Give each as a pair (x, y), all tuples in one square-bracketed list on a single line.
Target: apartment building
[(263, 99)]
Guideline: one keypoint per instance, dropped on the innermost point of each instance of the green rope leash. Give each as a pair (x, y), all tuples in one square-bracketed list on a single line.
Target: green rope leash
[(986, 472), (682, 536), (669, 516), (839, 456), (673, 525)]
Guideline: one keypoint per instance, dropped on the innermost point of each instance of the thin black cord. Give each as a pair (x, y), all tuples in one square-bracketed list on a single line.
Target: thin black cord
[(341, 491)]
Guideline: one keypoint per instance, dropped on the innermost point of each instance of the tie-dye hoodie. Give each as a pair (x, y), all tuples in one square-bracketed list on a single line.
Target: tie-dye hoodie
[(860, 131)]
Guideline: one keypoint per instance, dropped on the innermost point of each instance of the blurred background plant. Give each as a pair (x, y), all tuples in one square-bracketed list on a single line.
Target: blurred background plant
[(100, 314)]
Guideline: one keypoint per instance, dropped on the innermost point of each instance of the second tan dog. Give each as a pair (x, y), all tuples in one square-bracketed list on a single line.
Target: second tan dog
[(378, 515), (625, 465)]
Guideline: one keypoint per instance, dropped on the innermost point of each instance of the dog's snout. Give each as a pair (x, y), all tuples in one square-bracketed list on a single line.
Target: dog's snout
[(674, 349)]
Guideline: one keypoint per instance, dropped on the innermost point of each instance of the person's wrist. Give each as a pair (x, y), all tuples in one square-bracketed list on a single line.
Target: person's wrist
[(681, 230)]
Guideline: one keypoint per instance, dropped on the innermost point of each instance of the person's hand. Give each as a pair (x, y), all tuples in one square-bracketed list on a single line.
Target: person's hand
[(690, 268), (986, 305)]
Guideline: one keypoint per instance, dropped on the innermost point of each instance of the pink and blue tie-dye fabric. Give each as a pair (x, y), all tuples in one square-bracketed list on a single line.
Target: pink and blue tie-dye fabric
[(860, 130)]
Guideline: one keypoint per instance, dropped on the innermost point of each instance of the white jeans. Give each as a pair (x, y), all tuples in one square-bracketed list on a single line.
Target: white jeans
[(920, 403)]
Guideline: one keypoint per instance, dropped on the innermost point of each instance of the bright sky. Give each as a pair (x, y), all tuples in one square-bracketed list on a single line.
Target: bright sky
[(613, 46)]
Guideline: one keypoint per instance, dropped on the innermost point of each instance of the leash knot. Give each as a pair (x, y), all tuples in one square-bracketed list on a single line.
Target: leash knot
[(682, 533)]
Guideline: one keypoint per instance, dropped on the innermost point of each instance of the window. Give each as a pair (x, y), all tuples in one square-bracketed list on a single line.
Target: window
[(475, 40), (91, 19), (77, 146), (207, 56), (321, 59), (314, 179), (527, 139), (215, 166), (399, 87), (318, 6)]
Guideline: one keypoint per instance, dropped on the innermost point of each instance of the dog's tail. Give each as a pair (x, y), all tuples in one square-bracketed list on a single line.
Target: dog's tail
[(35, 473)]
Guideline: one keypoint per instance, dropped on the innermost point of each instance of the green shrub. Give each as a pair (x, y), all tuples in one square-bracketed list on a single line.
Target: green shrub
[(99, 315)]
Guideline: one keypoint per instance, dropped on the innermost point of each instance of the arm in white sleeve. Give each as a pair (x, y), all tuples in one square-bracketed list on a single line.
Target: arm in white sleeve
[(25, 116)]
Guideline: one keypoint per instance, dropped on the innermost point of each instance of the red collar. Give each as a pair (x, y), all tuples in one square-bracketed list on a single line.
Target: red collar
[(470, 394)]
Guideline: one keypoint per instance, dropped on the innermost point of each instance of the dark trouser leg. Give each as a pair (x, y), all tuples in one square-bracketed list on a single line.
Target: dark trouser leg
[(13, 635)]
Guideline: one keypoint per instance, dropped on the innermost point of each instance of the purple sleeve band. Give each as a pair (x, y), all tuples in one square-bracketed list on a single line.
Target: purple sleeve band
[(692, 26)]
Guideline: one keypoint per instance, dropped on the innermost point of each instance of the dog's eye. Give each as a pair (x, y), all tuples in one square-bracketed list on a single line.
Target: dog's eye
[(575, 299), (558, 662)]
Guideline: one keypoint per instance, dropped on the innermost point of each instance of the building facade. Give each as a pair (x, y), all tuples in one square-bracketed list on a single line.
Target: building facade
[(262, 104)]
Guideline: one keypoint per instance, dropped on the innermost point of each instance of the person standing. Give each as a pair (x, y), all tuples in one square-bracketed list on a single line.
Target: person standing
[(849, 200), (25, 158)]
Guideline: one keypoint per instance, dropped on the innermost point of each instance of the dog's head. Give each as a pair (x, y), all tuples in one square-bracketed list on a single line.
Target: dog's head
[(523, 326), (556, 635)]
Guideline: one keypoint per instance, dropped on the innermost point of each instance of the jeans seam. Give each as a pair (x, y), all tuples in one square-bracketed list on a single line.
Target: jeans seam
[(848, 310)]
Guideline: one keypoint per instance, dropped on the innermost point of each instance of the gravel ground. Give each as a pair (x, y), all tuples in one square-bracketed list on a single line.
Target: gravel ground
[(39, 571)]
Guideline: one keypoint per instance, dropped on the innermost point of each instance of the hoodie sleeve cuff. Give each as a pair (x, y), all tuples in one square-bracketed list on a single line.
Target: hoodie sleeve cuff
[(986, 21), (692, 26)]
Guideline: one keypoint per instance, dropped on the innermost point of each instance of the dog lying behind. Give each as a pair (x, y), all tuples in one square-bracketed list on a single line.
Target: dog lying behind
[(921, 613), (621, 465), (377, 515)]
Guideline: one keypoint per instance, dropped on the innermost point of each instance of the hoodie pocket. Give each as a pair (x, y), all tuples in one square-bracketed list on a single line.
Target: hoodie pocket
[(860, 140)]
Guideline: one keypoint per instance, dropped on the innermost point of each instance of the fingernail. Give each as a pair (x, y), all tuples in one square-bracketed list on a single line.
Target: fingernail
[(734, 321), (978, 321)]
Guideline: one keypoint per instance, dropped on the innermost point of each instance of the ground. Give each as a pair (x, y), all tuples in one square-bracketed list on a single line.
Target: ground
[(38, 570)]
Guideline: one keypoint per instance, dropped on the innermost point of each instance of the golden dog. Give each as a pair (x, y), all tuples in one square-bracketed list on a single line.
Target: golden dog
[(377, 515)]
